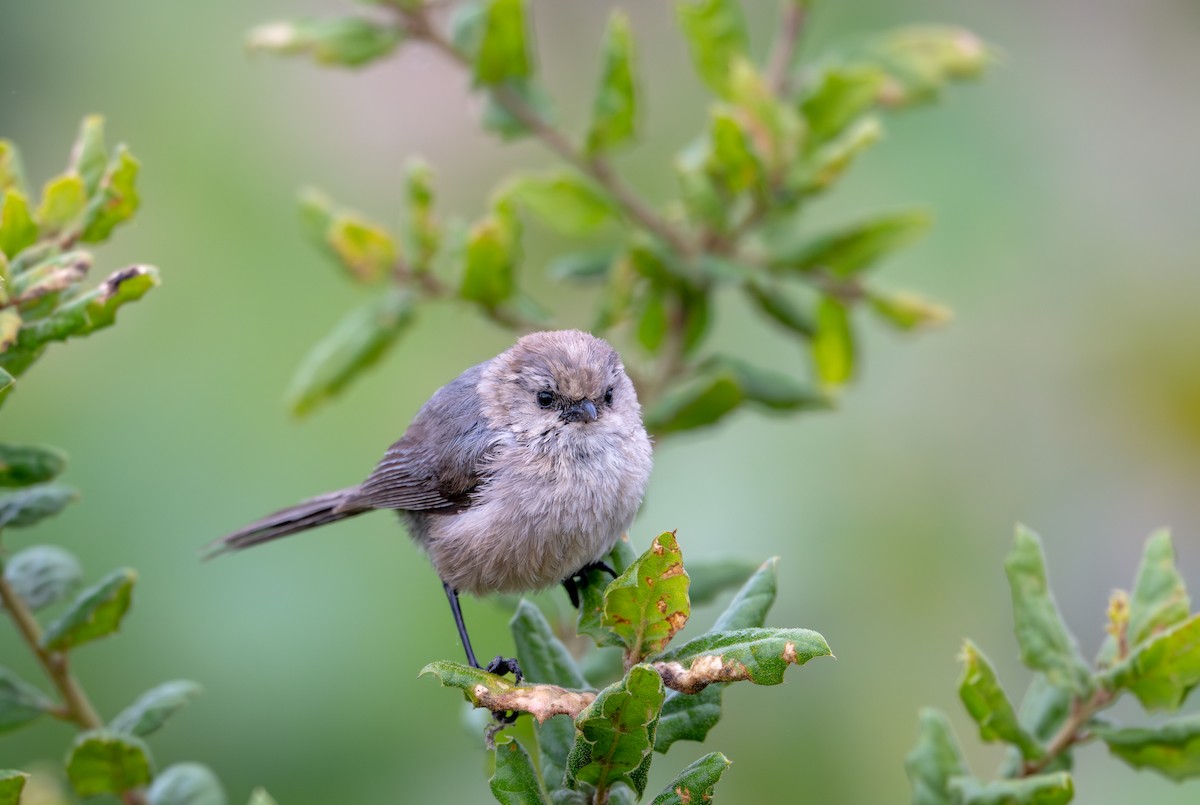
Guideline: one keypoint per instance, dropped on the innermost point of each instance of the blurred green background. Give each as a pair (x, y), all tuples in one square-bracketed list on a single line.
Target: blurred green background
[(1066, 394)]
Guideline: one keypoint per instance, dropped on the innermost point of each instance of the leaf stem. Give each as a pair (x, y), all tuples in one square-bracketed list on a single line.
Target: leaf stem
[(1072, 731), (77, 708)]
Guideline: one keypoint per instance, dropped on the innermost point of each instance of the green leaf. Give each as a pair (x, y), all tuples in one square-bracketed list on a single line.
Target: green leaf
[(1171, 749), (63, 200), (49, 277), (316, 216), (648, 603), (12, 173), (96, 612), (42, 575), (423, 231), (716, 35), (102, 762), (688, 716), (543, 657), (581, 266), (1040, 789), (732, 163), (154, 707), (711, 577), (12, 783), (503, 51), (921, 60), (116, 199), (1044, 708), (6, 383), (93, 310), (854, 248), (652, 321), (344, 41), (20, 702), (838, 96), (695, 784), (25, 507), (489, 274), (1164, 669), (1160, 599), (564, 201), (615, 108), (779, 307), (186, 784), (89, 155), (702, 200), (17, 229), (259, 796), (615, 734), (906, 311), (758, 655), (773, 390), (1045, 643), (704, 401), (753, 601), (516, 781), (834, 158), (934, 760), (833, 346), (532, 93), (358, 341), (986, 702), (363, 247), (25, 465)]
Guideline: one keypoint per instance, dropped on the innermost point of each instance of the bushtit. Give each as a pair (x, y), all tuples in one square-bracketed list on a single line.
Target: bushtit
[(519, 474)]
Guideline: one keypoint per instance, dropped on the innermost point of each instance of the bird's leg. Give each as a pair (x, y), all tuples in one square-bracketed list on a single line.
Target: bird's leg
[(578, 580), (452, 595), (499, 666)]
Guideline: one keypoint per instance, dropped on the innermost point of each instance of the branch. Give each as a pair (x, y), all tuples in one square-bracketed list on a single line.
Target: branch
[(1071, 732), (784, 51), (418, 25), (77, 707)]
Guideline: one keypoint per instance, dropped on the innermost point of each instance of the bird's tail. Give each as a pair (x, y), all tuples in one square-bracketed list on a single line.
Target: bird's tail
[(308, 514)]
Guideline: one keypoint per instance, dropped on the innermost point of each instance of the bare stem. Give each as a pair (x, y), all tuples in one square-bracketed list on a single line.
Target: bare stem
[(784, 51), (77, 708), (1072, 731)]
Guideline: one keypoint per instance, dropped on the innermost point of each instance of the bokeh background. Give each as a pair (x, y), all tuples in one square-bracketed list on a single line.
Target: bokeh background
[(1066, 393)]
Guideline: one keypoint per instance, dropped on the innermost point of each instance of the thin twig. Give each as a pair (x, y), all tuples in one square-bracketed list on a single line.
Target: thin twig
[(1072, 731), (418, 25), (77, 708), (783, 53)]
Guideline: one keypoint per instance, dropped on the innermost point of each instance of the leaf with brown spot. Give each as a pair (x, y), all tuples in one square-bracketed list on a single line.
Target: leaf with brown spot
[(758, 655), (694, 785), (647, 604)]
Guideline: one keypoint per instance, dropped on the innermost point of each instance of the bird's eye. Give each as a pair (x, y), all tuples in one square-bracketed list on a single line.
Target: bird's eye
[(545, 399), (608, 396)]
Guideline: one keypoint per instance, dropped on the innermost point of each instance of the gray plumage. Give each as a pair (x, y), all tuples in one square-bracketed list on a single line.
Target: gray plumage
[(512, 477)]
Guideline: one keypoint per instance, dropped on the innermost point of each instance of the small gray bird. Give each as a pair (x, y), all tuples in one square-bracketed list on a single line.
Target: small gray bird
[(519, 474)]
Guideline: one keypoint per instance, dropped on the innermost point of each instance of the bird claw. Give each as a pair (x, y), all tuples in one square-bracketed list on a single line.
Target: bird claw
[(501, 666), (506, 665)]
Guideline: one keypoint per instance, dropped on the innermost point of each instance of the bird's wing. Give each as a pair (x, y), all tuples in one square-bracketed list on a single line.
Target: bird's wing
[(438, 462)]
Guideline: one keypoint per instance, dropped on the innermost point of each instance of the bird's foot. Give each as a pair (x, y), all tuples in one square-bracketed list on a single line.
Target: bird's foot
[(578, 580), (506, 665), (501, 666)]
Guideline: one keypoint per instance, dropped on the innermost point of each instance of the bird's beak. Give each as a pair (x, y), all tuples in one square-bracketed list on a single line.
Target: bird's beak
[(582, 411)]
